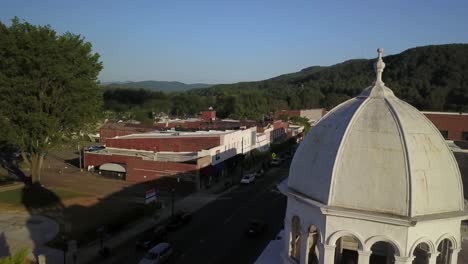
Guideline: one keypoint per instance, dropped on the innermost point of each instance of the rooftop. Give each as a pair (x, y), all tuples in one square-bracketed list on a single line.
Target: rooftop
[(168, 134)]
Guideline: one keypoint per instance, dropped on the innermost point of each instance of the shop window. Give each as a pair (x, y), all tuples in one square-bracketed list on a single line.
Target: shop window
[(465, 135)]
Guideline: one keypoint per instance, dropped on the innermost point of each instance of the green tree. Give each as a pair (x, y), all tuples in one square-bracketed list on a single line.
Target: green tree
[(17, 258), (48, 87)]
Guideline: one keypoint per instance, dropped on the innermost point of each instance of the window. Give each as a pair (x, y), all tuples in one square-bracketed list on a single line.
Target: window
[(465, 135), (444, 133)]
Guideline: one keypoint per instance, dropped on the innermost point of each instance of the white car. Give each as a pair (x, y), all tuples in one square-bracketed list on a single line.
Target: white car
[(248, 178), (158, 254)]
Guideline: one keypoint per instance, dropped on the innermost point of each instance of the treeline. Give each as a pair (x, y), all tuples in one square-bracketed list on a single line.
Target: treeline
[(430, 78)]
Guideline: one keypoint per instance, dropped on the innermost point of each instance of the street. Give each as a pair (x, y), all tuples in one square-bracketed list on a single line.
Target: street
[(216, 233)]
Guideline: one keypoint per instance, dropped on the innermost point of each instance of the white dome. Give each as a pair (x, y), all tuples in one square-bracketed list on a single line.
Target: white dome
[(377, 153)]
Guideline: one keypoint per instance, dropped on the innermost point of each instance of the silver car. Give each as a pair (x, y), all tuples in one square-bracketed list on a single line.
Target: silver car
[(158, 254)]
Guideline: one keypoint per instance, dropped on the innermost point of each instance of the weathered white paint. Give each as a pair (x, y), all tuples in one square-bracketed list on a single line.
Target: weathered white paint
[(376, 169), (378, 153)]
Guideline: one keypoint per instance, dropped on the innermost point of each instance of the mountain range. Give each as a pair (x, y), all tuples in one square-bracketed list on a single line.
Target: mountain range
[(163, 86)]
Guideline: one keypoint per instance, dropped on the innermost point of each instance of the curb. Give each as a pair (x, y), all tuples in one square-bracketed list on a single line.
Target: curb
[(13, 186)]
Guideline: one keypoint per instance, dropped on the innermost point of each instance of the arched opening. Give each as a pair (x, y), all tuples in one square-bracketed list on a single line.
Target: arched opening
[(313, 240), (295, 239), (346, 250), (421, 254), (445, 255), (382, 253)]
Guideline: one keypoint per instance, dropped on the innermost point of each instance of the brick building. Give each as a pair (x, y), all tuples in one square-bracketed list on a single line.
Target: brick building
[(208, 115), (453, 126), (195, 156), (313, 115), (111, 130)]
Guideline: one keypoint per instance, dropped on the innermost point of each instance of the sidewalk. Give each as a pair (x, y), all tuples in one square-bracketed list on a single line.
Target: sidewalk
[(190, 203), (13, 186)]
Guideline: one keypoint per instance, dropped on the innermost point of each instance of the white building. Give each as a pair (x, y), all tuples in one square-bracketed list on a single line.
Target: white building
[(232, 142), (373, 182)]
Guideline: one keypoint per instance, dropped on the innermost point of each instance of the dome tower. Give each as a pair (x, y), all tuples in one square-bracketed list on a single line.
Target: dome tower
[(373, 182)]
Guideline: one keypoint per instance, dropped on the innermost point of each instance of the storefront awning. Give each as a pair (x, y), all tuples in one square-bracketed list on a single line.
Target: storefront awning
[(113, 167)]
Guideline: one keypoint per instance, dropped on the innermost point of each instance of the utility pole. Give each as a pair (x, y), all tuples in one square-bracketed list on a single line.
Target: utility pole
[(172, 202), (79, 154), (242, 161)]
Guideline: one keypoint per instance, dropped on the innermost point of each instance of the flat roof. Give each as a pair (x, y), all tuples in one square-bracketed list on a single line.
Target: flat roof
[(170, 133), (149, 155), (443, 113)]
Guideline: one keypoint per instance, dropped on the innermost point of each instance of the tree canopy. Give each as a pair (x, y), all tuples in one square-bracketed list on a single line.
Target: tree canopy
[(48, 87)]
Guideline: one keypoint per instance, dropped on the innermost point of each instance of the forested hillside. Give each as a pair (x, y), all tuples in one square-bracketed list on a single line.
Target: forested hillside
[(430, 78), (161, 86)]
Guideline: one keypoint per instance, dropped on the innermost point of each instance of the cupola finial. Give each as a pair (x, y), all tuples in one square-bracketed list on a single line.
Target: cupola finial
[(379, 67)]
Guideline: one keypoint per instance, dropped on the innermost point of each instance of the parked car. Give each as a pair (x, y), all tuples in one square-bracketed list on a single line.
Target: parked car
[(158, 254), (248, 178), (151, 237), (94, 148), (178, 219), (259, 173), (275, 162), (255, 228)]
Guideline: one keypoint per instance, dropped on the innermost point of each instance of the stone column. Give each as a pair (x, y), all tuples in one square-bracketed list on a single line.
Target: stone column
[(304, 246), (287, 237), (454, 255), (42, 259), (328, 255), (403, 260), (364, 256), (433, 258)]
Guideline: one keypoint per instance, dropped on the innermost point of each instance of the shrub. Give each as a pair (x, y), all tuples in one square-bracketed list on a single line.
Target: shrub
[(18, 258)]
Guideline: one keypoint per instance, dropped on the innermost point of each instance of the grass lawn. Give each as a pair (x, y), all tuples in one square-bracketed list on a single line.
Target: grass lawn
[(19, 197)]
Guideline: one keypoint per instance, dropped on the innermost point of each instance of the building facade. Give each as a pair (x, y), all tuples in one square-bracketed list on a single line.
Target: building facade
[(148, 156), (453, 126)]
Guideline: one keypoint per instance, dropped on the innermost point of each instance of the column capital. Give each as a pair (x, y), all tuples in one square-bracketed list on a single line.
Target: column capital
[(455, 250), (329, 247), (403, 260), (364, 253)]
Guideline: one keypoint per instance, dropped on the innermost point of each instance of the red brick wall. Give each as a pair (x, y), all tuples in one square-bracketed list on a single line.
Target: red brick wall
[(145, 170), (175, 144), (208, 115), (139, 170), (110, 132), (455, 124), (288, 113)]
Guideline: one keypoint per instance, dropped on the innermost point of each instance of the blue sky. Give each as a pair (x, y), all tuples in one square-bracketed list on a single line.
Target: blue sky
[(224, 41)]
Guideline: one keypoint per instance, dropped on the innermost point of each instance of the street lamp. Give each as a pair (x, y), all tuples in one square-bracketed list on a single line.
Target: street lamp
[(64, 247), (172, 202), (100, 232)]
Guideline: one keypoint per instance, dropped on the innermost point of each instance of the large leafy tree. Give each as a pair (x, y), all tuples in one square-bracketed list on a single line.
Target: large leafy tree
[(48, 87)]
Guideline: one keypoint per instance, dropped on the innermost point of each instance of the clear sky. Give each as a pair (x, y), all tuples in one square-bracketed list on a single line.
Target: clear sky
[(223, 41)]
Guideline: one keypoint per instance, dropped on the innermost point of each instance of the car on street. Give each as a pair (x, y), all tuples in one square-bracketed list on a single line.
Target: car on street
[(151, 237), (94, 148), (275, 162), (158, 254), (248, 178), (259, 173), (178, 219), (255, 228)]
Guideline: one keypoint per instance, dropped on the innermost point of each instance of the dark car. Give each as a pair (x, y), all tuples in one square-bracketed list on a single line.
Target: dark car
[(152, 237), (255, 228), (179, 219), (260, 173)]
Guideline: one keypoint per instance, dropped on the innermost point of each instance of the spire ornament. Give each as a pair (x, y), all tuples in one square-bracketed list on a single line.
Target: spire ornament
[(379, 67)]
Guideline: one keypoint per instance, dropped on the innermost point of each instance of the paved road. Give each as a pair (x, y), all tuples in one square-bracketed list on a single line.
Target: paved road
[(216, 232)]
